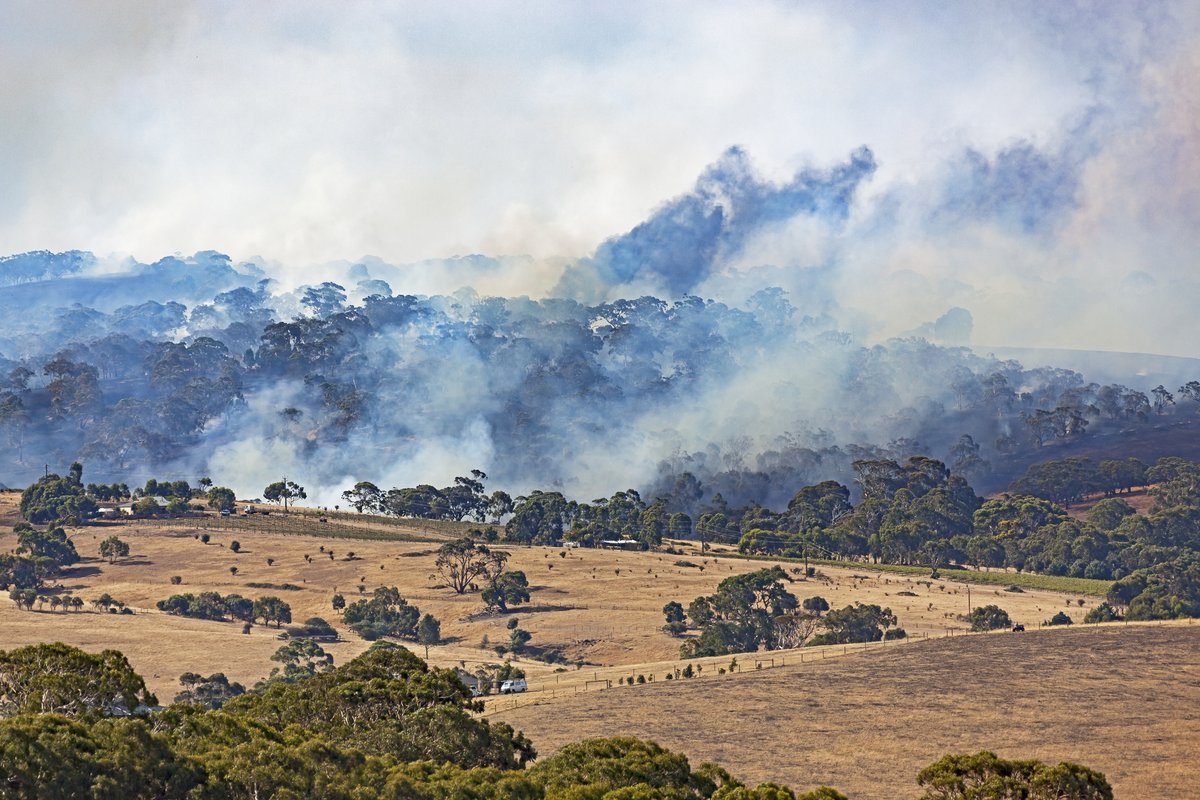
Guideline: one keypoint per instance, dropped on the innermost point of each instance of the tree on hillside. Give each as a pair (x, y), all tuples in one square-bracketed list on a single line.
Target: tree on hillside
[(386, 613), (283, 492), (507, 589), (429, 631), (676, 624), (52, 546), (740, 615), (113, 548), (857, 623), (1169, 590), (364, 497), (271, 609), (463, 561), (988, 618), (221, 498), (816, 604), (54, 498)]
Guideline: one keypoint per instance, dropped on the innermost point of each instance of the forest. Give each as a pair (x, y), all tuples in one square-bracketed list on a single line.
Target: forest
[(197, 366)]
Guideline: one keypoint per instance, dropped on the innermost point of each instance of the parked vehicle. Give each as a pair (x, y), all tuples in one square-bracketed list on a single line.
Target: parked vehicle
[(514, 686)]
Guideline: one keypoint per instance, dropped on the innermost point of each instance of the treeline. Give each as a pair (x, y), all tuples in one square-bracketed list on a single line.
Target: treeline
[(537, 518), (66, 500), (384, 726), (211, 605)]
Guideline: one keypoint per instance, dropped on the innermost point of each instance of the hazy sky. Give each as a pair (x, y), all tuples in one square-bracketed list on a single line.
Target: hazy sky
[(304, 132)]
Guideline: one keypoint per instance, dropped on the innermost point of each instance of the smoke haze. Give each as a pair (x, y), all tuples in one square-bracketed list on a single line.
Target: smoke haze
[(818, 205)]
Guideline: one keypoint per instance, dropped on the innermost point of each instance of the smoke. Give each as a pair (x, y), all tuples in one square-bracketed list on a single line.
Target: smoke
[(608, 247)]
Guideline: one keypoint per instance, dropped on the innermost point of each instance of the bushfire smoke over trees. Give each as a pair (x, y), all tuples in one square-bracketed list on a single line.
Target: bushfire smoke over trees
[(804, 302)]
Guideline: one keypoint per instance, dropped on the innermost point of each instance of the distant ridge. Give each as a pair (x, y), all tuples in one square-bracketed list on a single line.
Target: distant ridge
[(1137, 370)]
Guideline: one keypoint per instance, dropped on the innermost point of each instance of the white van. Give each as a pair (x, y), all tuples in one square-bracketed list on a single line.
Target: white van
[(513, 686)]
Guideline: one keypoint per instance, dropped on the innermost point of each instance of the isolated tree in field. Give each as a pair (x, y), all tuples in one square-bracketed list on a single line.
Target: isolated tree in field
[(113, 548), (676, 625), (283, 492), (429, 631), (338, 602), (740, 615), (221, 498), (518, 640), (386, 613), (507, 589), (463, 561), (235, 546), (988, 618), (365, 496)]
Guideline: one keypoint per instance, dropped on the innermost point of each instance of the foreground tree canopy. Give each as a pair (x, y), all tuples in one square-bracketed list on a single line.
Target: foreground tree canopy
[(384, 726)]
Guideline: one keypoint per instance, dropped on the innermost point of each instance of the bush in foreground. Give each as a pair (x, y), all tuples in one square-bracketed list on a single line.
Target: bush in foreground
[(383, 726)]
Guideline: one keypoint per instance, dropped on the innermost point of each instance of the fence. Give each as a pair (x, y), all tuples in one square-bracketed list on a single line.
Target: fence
[(287, 524), (600, 679), (597, 679)]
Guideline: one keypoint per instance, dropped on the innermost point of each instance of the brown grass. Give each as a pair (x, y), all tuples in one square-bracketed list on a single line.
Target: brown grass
[(1121, 699), (599, 607), (605, 608)]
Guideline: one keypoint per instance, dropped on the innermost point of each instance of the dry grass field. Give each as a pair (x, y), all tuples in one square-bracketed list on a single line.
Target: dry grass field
[(1121, 699), (599, 607)]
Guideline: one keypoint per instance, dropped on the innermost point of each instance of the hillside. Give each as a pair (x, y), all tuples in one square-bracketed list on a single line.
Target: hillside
[(595, 607), (1121, 699)]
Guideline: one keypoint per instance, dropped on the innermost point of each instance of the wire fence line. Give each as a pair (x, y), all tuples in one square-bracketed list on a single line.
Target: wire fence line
[(288, 525), (584, 681), (716, 668)]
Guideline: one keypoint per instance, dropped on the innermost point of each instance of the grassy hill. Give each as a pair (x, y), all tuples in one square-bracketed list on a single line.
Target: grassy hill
[(592, 607), (1123, 699)]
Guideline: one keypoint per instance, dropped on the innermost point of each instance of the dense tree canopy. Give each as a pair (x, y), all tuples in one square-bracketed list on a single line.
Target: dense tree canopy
[(383, 726)]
